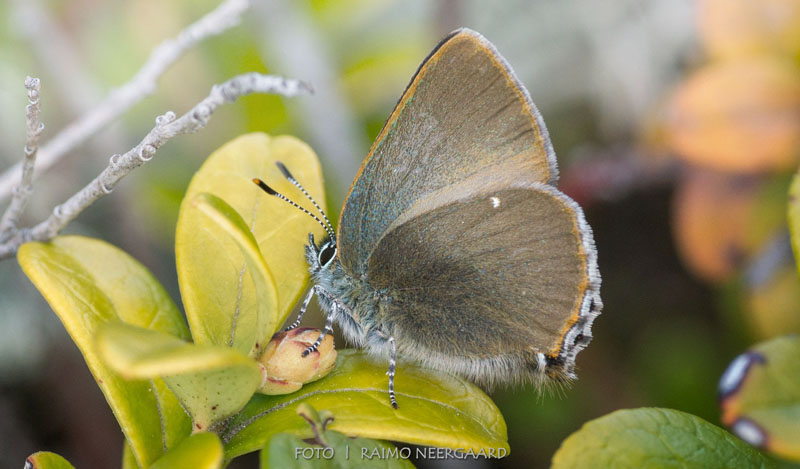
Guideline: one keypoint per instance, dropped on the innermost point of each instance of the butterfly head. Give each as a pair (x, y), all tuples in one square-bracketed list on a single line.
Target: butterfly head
[(321, 256)]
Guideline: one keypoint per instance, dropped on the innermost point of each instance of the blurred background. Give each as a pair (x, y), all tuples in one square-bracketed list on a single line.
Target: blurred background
[(675, 122)]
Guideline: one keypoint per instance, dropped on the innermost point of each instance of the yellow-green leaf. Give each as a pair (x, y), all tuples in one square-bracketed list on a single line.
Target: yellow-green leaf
[(252, 326), (214, 280), (47, 460), (212, 382), (199, 451), (137, 297), (176, 423), (760, 396), (128, 459), (139, 300), (654, 438), (794, 217), (69, 272), (436, 409)]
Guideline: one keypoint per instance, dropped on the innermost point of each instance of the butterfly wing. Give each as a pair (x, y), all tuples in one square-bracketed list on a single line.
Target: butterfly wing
[(490, 282), (463, 116)]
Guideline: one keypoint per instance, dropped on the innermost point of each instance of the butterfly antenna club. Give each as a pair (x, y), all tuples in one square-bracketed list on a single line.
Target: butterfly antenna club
[(297, 184), (277, 194)]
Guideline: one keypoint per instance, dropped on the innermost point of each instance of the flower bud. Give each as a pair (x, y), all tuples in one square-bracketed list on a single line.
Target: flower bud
[(283, 367)]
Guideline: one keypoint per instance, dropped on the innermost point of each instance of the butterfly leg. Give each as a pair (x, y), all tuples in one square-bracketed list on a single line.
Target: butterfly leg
[(326, 331), (302, 310), (392, 364)]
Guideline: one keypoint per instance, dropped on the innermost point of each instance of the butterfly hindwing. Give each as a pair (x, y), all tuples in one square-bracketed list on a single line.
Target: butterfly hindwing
[(498, 274)]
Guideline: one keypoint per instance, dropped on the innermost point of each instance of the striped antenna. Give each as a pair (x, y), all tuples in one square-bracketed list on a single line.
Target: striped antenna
[(294, 181), (277, 194)]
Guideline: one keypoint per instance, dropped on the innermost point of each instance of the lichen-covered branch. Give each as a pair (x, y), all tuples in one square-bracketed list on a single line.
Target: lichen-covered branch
[(167, 126), (225, 16), (22, 192)]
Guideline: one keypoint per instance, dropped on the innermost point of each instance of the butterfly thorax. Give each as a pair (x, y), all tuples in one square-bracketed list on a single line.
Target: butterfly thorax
[(359, 308)]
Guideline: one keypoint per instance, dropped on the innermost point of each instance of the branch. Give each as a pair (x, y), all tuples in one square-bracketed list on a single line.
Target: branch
[(167, 126), (23, 191), (225, 16)]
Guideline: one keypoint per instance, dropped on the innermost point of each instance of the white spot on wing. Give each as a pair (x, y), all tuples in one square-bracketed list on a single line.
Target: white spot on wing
[(495, 202)]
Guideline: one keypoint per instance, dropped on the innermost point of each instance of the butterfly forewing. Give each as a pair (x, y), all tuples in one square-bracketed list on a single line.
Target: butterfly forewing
[(463, 116)]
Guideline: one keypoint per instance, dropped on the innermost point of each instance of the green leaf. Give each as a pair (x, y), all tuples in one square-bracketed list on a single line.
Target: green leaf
[(128, 459), (794, 217), (199, 451), (216, 284), (137, 297), (436, 409), (214, 274), (211, 382), (176, 422), (47, 460), (760, 396), (88, 283), (254, 327), (289, 451), (655, 438)]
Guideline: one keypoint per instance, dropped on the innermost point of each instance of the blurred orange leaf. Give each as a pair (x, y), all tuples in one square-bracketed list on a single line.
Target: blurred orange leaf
[(721, 220), (732, 28), (740, 116)]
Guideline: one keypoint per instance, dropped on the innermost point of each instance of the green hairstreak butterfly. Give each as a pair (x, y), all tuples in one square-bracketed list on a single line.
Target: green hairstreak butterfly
[(454, 248)]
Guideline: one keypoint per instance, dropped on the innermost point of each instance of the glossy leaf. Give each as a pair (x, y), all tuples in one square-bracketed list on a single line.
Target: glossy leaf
[(139, 300), (654, 438), (290, 452), (253, 327), (211, 382), (229, 295), (128, 459), (436, 409), (47, 460), (176, 423), (760, 396), (137, 297), (211, 268), (199, 451), (70, 274)]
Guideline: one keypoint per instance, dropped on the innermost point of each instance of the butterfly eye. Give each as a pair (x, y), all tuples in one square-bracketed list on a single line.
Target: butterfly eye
[(326, 254)]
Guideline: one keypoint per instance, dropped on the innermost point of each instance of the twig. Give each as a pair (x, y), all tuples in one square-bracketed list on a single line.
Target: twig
[(56, 53), (225, 16), (22, 192), (167, 126)]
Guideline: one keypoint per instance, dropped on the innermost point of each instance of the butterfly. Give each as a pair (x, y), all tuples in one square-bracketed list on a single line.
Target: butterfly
[(454, 248)]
